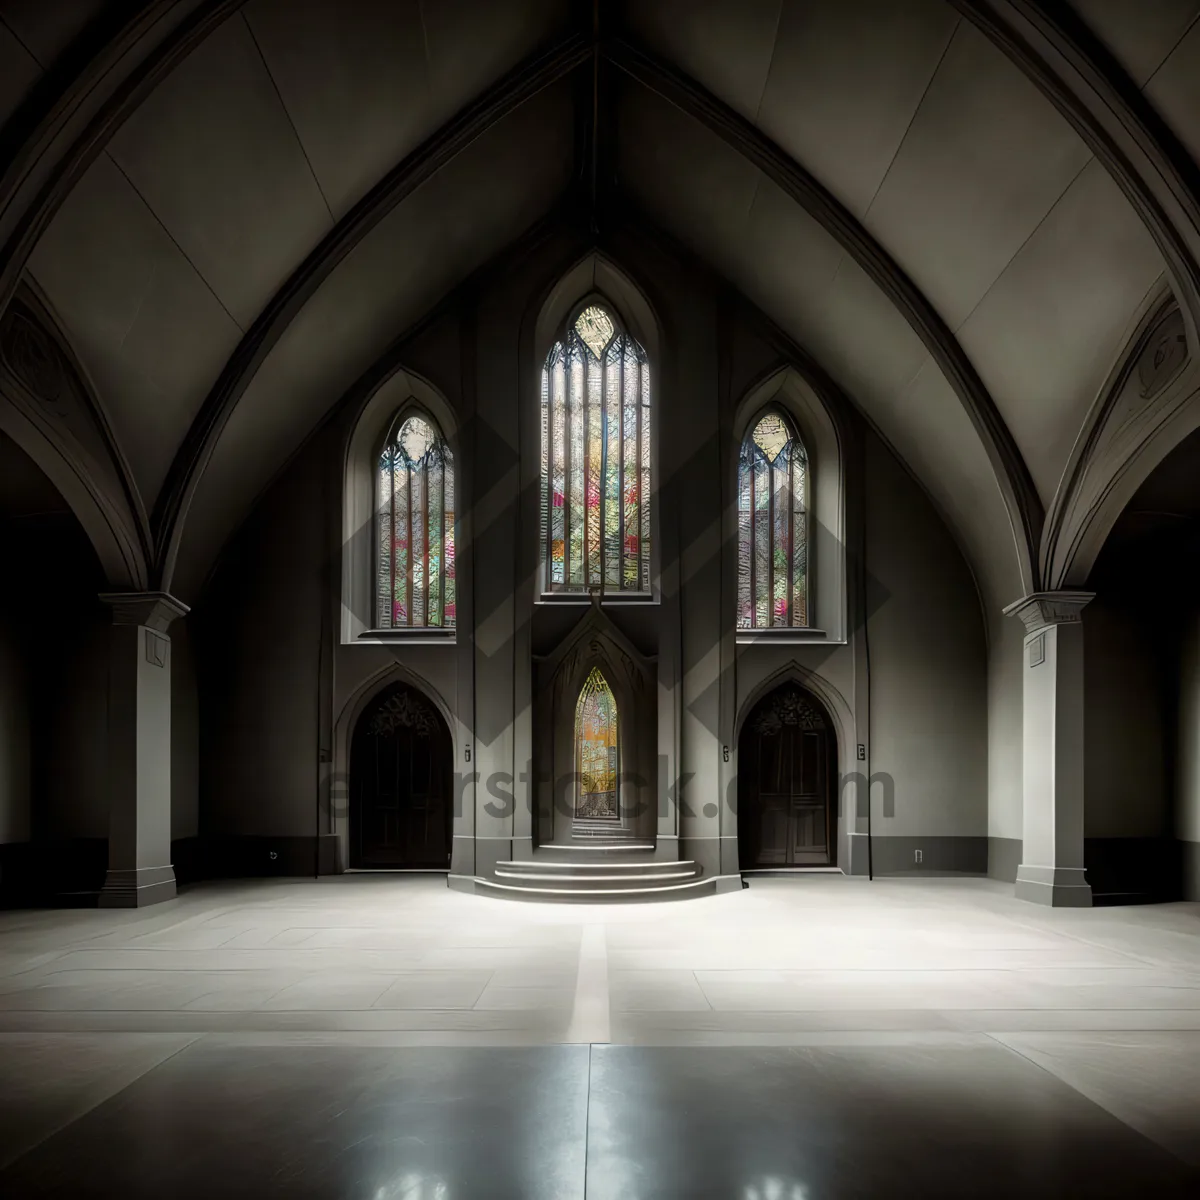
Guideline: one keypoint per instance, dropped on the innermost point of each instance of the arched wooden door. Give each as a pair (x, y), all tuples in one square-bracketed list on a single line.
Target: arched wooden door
[(400, 781), (787, 768)]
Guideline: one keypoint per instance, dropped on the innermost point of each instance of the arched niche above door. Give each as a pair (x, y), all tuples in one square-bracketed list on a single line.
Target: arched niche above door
[(561, 677)]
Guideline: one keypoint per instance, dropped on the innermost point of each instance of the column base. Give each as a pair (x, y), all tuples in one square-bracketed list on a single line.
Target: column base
[(1058, 887), (137, 888)]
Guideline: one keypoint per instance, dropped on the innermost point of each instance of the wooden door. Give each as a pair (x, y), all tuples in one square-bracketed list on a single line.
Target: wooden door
[(400, 781), (786, 769)]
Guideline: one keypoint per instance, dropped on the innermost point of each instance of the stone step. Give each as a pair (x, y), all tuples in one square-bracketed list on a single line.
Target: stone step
[(595, 852), (595, 877), (600, 894)]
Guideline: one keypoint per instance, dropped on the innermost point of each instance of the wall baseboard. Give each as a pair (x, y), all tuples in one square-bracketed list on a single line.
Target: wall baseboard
[(247, 857), (940, 855)]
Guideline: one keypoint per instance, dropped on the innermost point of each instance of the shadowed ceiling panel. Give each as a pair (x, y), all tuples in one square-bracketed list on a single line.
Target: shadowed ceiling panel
[(1140, 33), (750, 231), (1175, 91), (144, 324), (18, 73), (781, 259), (213, 154), (1045, 336), (726, 47), (46, 27), (845, 81), (985, 159), (468, 212), (365, 82)]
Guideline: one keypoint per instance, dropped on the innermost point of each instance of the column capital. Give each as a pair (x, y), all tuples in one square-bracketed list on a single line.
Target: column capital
[(154, 610), (1040, 609)]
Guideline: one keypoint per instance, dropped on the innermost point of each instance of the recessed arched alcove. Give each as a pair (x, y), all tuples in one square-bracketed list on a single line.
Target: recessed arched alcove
[(787, 782), (402, 695), (401, 787), (594, 698)]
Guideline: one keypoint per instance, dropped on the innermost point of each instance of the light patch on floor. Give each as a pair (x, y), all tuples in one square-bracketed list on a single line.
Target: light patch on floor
[(1105, 1000)]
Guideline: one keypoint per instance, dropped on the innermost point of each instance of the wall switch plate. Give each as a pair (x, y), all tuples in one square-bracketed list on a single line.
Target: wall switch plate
[(862, 752)]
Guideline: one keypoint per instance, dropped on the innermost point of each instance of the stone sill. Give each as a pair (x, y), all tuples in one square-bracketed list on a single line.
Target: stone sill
[(431, 636)]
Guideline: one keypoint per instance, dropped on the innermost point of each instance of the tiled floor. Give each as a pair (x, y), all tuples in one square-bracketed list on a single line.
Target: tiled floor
[(384, 1037)]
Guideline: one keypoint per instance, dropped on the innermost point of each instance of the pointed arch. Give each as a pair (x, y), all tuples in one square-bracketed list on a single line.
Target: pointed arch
[(414, 525), (773, 507), (387, 484), (596, 457), (597, 749)]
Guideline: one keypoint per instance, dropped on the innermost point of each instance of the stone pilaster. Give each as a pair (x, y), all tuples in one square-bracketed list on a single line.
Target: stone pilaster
[(139, 749), (1051, 870)]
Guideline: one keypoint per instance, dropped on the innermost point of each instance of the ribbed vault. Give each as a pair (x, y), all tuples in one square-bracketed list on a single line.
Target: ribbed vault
[(233, 210)]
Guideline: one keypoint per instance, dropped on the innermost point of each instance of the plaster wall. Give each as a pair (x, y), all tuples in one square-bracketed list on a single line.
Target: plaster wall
[(928, 662)]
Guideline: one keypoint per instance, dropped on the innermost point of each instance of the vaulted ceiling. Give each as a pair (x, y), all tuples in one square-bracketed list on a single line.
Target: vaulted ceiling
[(272, 191)]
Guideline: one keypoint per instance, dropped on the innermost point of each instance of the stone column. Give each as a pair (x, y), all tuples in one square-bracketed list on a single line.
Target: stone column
[(139, 750), (1051, 870)]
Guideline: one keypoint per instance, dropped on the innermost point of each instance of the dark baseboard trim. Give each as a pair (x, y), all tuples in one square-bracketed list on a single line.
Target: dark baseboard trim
[(249, 857), (940, 855)]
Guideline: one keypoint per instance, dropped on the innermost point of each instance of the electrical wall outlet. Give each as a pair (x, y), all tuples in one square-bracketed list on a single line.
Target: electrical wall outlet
[(918, 855)]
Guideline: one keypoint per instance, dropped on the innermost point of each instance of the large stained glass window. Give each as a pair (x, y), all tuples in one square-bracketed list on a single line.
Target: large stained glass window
[(414, 528), (595, 504), (772, 526), (596, 758)]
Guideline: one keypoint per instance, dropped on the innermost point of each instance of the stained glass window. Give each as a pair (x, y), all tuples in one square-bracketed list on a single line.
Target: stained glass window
[(595, 503), (596, 757), (772, 526), (414, 528)]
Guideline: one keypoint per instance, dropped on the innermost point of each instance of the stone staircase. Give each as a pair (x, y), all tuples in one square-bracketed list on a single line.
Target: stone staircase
[(618, 871)]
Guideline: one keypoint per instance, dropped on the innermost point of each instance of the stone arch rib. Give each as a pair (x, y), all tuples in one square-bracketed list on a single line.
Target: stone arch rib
[(1012, 474)]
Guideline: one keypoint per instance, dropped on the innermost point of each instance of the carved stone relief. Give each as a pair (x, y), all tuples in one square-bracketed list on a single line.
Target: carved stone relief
[(788, 706), (403, 710), (1163, 355), (35, 358)]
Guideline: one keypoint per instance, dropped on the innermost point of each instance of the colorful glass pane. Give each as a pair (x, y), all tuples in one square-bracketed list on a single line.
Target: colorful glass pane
[(596, 748), (772, 527), (595, 460), (414, 563), (575, 504)]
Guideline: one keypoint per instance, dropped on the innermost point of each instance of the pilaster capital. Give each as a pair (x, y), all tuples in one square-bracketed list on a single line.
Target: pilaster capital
[(1040, 609), (154, 610)]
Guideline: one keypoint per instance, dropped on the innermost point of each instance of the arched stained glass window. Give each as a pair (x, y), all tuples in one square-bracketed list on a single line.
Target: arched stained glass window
[(772, 526), (414, 525), (595, 504), (596, 757)]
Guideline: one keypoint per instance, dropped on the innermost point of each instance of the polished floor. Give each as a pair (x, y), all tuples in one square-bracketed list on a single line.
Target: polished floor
[(383, 1037)]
